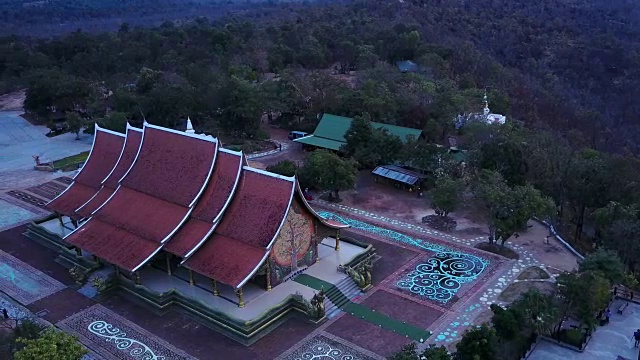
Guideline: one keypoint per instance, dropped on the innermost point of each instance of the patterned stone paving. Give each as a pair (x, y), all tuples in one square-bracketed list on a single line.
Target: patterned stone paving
[(11, 214), (23, 282), (40, 195), (327, 347), (114, 337)]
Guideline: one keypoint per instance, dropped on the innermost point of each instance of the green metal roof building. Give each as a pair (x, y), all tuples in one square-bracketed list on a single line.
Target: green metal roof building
[(329, 133)]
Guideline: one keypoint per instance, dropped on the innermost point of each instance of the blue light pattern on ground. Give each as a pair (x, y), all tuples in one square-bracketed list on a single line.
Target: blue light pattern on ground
[(442, 275), (21, 281)]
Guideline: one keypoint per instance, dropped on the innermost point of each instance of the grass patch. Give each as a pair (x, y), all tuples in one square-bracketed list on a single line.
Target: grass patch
[(499, 250), (71, 161), (513, 291), (533, 273)]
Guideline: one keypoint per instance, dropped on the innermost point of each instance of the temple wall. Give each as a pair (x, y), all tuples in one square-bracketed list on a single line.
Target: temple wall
[(295, 247)]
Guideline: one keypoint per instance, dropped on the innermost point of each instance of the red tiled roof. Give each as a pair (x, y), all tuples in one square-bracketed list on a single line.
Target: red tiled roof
[(257, 209), (247, 229), (104, 155), (113, 244), (129, 152), (95, 202), (154, 198), (73, 197), (171, 165), (141, 214), (226, 260), (188, 237), (330, 223), (226, 173)]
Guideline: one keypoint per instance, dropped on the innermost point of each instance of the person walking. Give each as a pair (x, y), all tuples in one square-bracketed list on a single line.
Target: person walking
[(608, 315), (636, 336), (5, 314)]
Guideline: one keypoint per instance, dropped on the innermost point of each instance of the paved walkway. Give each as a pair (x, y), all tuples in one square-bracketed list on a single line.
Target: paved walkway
[(610, 342)]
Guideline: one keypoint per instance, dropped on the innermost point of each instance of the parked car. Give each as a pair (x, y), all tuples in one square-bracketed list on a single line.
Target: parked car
[(297, 134)]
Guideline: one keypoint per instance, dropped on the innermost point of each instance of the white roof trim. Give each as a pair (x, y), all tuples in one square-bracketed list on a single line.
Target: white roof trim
[(76, 229), (315, 213), (133, 163), (195, 248), (284, 218), (267, 173), (225, 150), (107, 201), (93, 144), (173, 131), (88, 201), (175, 230), (233, 192), (63, 191), (253, 271), (148, 258), (208, 178), (109, 131), (124, 146)]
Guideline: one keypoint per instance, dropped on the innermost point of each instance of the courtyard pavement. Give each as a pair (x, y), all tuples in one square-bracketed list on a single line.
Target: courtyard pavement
[(20, 141), (610, 342)]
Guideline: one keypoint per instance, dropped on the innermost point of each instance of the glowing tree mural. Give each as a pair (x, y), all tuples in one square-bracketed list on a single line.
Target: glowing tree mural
[(294, 239)]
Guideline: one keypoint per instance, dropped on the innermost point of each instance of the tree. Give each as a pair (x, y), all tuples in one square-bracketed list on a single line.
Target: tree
[(539, 312), (606, 263), (75, 123), (583, 294), (506, 322), (506, 157), (359, 134), (477, 343), (622, 236), (433, 352), (327, 171), (446, 195), (408, 352), (284, 167), (52, 345), (508, 209)]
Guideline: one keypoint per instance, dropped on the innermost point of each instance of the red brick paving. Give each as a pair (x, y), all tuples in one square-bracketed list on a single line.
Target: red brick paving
[(393, 257), (14, 243), (202, 342), (367, 335), (61, 305), (402, 309)]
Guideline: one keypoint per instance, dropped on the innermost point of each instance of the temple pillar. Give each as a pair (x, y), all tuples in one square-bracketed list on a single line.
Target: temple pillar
[(60, 219), (117, 269), (137, 276), (168, 259), (268, 275), (75, 223), (96, 259), (78, 251), (240, 298), (192, 281), (337, 239), (214, 285)]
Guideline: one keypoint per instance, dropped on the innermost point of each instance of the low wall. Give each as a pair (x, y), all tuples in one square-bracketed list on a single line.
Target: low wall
[(553, 231)]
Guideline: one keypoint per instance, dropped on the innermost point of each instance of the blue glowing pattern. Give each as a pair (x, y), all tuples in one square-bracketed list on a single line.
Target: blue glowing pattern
[(441, 277), (111, 333), (16, 278), (443, 274)]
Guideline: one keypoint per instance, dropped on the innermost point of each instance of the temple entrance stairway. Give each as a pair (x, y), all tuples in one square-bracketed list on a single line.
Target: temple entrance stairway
[(340, 301)]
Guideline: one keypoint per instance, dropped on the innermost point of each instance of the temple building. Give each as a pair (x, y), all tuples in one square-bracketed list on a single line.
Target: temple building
[(174, 213), (486, 116)]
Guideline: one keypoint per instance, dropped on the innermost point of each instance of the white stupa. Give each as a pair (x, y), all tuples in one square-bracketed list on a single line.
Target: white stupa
[(486, 116)]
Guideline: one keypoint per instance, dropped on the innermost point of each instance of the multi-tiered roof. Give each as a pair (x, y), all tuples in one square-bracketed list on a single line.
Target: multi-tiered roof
[(184, 194)]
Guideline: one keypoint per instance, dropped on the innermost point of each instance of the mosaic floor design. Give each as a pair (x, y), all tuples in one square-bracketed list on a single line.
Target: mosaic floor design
[(321, 347), (114, 337), (11, 214), (23, 282), (40, 195), (440, 277)]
